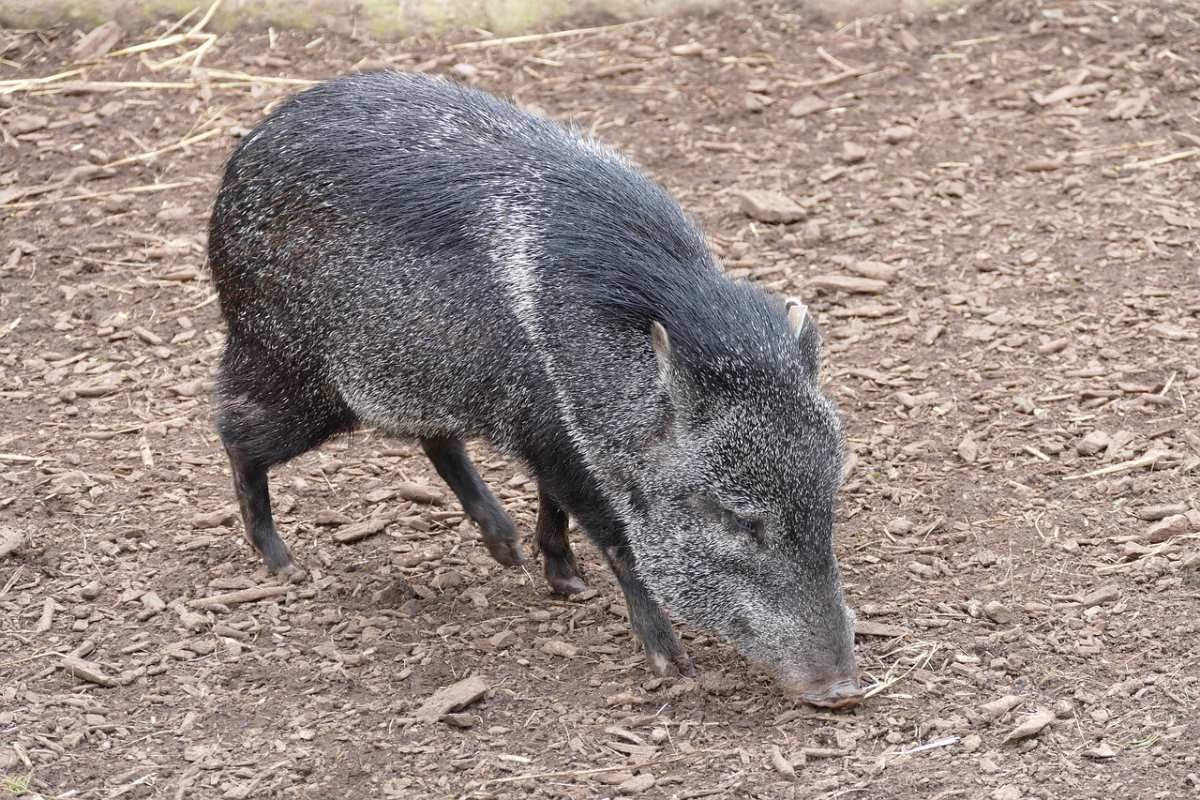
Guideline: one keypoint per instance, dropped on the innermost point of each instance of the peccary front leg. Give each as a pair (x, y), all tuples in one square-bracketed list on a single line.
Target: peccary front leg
[(495, 525), (562, 572), (664, 653)]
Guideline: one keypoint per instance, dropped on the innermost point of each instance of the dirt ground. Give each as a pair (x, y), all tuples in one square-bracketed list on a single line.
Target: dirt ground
[(1000, 236)]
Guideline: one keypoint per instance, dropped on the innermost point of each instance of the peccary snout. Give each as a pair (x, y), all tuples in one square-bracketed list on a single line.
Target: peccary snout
[(836, 693)]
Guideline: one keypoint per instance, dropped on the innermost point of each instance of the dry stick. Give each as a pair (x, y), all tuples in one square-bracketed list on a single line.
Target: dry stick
[(566, 773), (539, 37), (245, 76), (1125, 466), (841, 76), (150, 187), (199, 137), (208, 15), (842, 65), (15, 84), (1154, 162), (240, 596), (162, 41), (179, 23)]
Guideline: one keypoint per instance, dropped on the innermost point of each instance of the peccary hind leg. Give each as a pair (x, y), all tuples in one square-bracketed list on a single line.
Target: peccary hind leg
[(254, 499), (562, 572), (499, 534), (664, 652)]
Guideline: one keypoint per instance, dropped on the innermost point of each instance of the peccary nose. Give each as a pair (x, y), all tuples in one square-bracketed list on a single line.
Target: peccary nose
[(839, 693)]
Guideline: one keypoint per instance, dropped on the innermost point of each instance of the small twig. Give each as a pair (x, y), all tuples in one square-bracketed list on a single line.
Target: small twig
[(1154, 162), (1125, 466), (835, 78), (838, 64), (150, 187), (199, 137), (208, 15), (199, 305), (568, 773), (539, 37), (245, 76)]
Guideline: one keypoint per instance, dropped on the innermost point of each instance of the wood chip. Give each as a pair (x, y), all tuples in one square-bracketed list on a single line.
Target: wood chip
[(420, 493), (771, 207), (847, 283), (1034, 724), (454, 697), (86, 670), (868, 628), (1000, 706), (781, 764), (361, 530), (98, 41)]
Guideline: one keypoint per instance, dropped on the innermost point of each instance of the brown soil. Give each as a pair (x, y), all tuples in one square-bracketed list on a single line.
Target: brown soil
[(1028, 172)]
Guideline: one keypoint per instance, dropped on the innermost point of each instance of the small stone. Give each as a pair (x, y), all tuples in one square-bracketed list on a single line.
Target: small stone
[(637, 784), (900, 526), (1093, 443), (898, 134), (10, 541), (687, 49), (1007, 792), (1100, 751), (465, 71), (90, 590), (1064, 709), (215, 519), (1154, 513), (1034, 724), (997, 612), (153, 602), (971, 743), (808, 105), (26, 123), (853, 153), (771, 207)]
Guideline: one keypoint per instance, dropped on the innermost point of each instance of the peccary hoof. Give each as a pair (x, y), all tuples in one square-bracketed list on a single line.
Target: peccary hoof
[(505, 551), (666, 666), (567, 586)]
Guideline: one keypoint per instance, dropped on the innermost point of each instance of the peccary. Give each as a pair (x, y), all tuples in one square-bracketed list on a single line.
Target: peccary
[(407, 253)]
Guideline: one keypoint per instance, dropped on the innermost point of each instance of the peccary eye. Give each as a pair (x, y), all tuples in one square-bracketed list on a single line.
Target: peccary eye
[(744, 526)]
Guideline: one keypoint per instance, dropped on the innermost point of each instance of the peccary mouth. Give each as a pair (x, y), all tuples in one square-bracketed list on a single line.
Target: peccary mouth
[(838, 693)]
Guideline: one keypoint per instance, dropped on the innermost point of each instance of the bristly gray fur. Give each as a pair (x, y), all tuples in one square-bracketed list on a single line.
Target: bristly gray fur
[(405, 252)]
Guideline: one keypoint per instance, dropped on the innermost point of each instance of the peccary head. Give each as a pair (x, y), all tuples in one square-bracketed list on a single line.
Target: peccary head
[(739, 489)]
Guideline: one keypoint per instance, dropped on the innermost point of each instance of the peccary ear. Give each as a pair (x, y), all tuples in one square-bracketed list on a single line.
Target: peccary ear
[(669, 375), (808, 339), (662, 351)]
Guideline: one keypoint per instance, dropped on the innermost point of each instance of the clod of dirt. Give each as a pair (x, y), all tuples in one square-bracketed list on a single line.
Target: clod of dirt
[(770, 207), (972, 743), (900, 526), (90, 590), (10, 541), (898, 134), (1034, 724), (1093, 443), (452, 698)]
